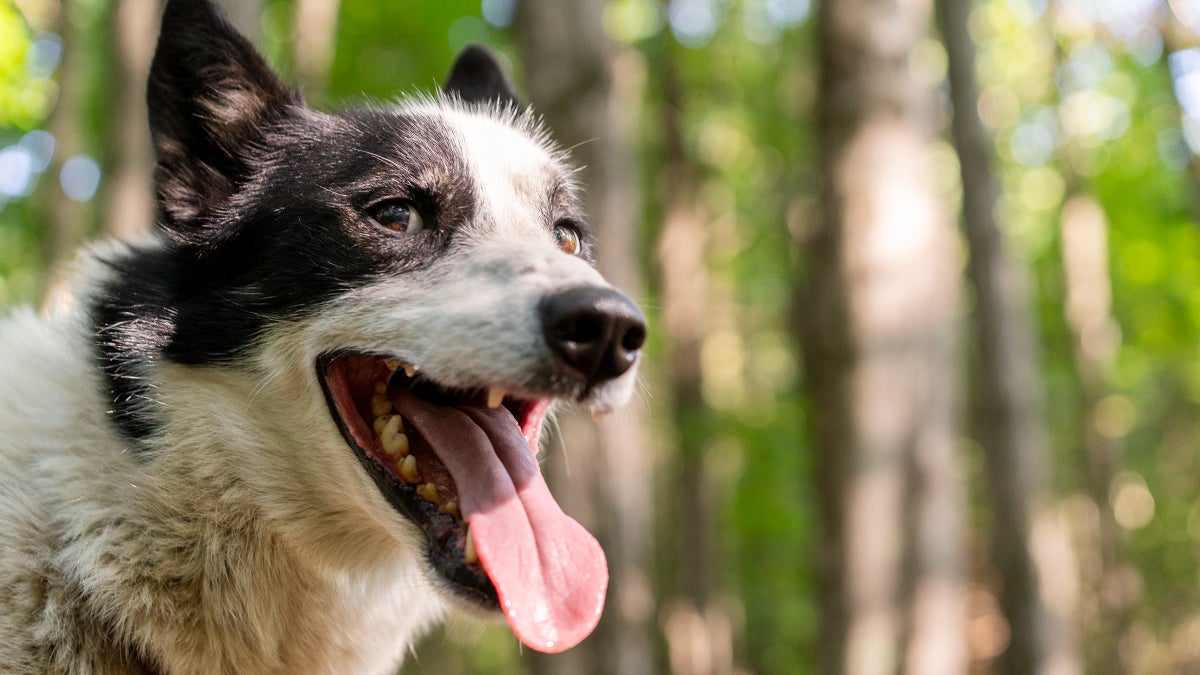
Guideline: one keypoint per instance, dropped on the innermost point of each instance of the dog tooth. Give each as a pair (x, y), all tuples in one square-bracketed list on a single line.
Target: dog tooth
[(392, 364), (495, 396), (470, 554), (450, 508), (429, 492), (408, 470), (597, 415), (380, 405), (381, 387), (383, 420), (393, 441), (410, 369)]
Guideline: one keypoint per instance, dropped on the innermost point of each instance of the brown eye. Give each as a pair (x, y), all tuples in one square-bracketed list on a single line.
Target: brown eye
[(399, 217), (567, 238)]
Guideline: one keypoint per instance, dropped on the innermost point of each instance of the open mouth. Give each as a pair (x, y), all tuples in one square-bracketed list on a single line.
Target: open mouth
[(460, 464)]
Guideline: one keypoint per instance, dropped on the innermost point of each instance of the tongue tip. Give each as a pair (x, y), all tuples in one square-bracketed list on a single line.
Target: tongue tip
[(550, 607), (566, 629)]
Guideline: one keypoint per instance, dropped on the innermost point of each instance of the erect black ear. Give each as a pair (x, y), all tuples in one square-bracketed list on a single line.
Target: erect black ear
[(477, 77), (211, 97)]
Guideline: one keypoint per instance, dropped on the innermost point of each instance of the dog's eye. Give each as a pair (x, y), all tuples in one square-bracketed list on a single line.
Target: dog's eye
[(567, 238), (398, 216)]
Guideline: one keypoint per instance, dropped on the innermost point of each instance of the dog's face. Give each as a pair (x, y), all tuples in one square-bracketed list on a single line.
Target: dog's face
[(423, 269)]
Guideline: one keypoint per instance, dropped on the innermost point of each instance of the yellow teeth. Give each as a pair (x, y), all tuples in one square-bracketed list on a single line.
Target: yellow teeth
[(381, 387), (380, 405), (382, 421), (394, 365), (392, 439), (429, 492), (451, 508), (470, 554), (394, 424), (407, 468), (495, 397)]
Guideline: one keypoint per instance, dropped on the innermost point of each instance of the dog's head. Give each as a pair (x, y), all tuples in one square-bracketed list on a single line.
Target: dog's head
[(423, 271)]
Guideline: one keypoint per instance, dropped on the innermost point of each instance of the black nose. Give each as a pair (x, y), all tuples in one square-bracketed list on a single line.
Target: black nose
[(597, 331)]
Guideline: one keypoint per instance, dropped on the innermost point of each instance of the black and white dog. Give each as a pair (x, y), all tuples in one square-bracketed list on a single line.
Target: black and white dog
[(289, 431)]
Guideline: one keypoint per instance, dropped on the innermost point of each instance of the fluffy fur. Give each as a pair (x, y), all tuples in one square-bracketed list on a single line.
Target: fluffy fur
[(175, 496)]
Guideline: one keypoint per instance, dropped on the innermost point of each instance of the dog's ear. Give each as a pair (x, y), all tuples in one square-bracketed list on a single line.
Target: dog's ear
[(477, 77), (210, 97)]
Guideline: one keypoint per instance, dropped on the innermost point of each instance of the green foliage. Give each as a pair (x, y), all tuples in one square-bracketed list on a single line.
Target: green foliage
[(25, 93), (386, 47)]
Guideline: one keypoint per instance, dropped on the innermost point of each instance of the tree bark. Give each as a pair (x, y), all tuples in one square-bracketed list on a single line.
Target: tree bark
[(879, 340), (589, 93), (1010, 409)]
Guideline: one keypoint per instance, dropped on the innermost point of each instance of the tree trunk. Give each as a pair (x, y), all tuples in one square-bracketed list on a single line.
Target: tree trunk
[(879, 338), (589, 93), (68, 222), (1009, 415), (130, 209), (698, 635), (1112, 583), (316, 34)]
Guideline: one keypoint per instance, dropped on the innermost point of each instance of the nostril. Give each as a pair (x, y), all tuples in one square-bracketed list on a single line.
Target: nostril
[(634, 338), (581, 329)]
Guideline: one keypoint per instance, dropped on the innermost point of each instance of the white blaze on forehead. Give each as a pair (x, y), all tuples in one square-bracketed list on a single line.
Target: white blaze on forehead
[(514, 171)]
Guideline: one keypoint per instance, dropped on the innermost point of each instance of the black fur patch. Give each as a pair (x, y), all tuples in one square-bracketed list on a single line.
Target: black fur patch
[(294, 236)]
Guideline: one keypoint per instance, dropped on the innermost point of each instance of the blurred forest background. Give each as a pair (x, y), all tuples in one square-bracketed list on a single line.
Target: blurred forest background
[(923, 390)]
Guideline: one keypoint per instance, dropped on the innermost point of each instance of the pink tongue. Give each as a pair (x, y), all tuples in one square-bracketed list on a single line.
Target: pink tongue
[(549, 572)]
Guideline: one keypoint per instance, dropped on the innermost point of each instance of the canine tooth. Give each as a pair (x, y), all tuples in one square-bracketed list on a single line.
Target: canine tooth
[(409, 369), (495, 397), (428, 492), (392, 364), (407, 468), (470, 554), (451, 508), (380, 405)]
